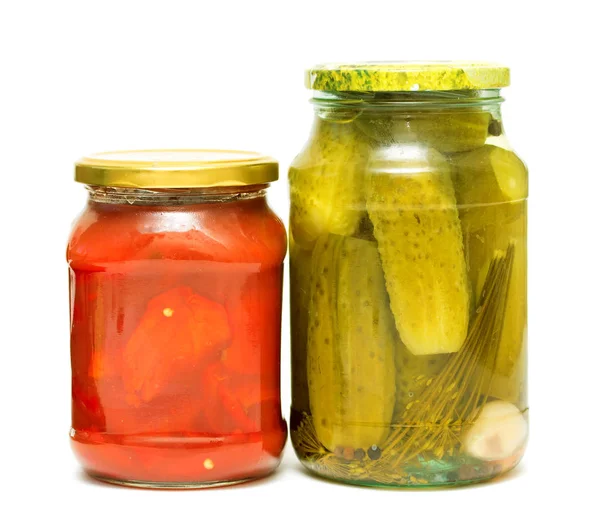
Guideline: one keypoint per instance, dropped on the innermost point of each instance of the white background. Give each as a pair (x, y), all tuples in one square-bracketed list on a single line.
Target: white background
[(79, 77)]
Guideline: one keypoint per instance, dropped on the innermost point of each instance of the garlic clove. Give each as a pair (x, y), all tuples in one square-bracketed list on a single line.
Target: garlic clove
[(499, 431)]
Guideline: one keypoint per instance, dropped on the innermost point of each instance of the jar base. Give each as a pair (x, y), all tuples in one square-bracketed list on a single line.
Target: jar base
[(459, 476), (178, 462), (396, 466), (144, 484)]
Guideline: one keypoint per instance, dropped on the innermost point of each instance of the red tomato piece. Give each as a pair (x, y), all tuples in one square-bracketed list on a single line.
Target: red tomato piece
[(105, 365), (223, 413), (105, 241), (255, 345), (178, 330), (87, 409)]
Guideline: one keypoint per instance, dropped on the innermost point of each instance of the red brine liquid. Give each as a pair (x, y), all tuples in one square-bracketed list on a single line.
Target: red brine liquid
[(175, 341)]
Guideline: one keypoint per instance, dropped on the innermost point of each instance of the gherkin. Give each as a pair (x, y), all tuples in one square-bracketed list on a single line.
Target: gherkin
[(326, 183), (411, 203), (511, 360), (300, 282), (510, 366), (351, 345), (491, 187), (413, 374), (486, 177), (451, 132)]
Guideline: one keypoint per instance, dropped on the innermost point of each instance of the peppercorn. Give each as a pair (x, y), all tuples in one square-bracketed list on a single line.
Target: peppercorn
[(374, 452)]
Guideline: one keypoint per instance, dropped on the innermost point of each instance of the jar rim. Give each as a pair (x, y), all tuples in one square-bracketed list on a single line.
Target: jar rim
[(407, 76), (176, 168)]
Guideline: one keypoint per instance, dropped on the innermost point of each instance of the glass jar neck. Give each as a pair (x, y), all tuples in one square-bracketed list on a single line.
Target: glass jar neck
[(486, 99), (174, 196)]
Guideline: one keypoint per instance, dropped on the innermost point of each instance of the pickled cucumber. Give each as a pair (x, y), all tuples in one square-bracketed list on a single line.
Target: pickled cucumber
[(300, 281), (384, 129), (510, 367), (452, 132), (491, 185), (351, 345), (512, 385), (413, 374), (446, 132), (326, 183), (411, 203), (511, 361), (489, 175)]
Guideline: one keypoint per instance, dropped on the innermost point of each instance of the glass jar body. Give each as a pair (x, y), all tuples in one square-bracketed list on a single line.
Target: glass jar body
[(408, 264), (175, 336)]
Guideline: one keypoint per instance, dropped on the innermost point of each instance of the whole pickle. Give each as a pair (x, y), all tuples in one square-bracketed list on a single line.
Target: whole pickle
[(491, 187), (452, 132), (446, 132), (323, 367), (351, 345), (300, 281), (413, 374), (510, 367), (326, 181), (488, 175), (512, 385), (411, 203), (384, 128)]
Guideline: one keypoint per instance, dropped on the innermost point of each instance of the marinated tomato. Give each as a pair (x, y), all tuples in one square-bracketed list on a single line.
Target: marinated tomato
[(175, 341)]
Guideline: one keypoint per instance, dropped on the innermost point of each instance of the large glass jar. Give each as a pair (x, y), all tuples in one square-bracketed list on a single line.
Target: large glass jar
[(175, 285), (408, 264)]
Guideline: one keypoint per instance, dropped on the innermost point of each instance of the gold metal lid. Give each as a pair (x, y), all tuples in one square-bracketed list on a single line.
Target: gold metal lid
[(176, 168), (407, 76)]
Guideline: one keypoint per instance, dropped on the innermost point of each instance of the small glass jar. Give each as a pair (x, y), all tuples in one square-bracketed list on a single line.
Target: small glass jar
[(175, 291), (408, 267)]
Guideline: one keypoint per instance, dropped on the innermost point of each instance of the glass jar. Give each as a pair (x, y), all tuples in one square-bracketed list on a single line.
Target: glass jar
[(408, 264), (175, 290)]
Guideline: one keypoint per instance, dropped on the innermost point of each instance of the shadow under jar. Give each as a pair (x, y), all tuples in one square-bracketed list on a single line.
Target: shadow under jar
[(175, 291), (408, 264)]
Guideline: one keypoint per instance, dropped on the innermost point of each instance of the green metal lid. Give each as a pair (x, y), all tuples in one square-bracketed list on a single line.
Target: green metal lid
[(407, 76)]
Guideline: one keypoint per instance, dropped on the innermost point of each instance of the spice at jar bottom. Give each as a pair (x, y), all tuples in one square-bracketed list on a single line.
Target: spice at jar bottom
[(408, 275), (175, 271)]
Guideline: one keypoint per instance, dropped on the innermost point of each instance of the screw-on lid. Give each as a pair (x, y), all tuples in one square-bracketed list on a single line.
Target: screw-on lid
[(407, 76), (176, 168)]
